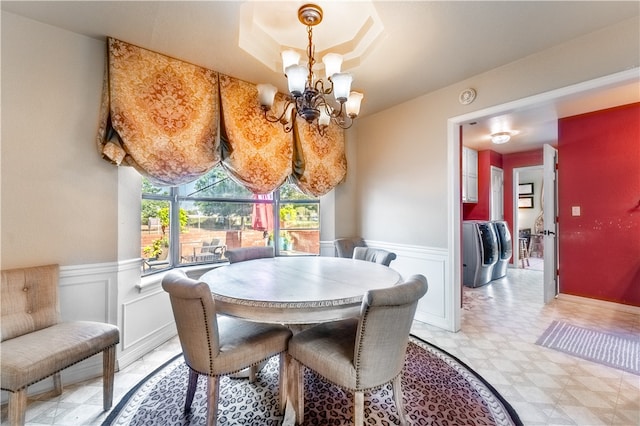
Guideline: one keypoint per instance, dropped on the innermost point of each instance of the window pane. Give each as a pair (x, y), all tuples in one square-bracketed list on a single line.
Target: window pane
[(150, 188), (214, 227), (215, 184), (299, 222), (154, 235)]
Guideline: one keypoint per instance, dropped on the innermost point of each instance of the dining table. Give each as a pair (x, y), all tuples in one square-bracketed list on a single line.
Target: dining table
[(296, 289)]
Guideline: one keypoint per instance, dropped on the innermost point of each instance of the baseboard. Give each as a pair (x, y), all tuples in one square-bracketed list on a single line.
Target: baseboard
[(600, 303)]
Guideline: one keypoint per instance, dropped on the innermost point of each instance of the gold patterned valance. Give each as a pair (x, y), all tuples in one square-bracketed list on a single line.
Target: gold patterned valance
[(164, 113), (161, 116), (321, 163), (257, 153)]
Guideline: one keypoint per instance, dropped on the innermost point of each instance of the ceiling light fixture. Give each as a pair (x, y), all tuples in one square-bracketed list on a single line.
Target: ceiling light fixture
[(500, 137), (306, 94)]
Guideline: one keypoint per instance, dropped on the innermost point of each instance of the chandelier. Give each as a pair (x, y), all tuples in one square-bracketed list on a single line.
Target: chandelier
[(307, 95)]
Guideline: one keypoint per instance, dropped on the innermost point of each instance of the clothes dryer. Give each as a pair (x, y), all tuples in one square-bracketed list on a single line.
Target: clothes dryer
[(505, 248), (479, 253)]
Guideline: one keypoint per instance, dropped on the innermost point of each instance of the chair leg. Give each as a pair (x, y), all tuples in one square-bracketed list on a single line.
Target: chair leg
[(57, 384), (191, 390), (283, 381), (108, 373), (17, 407), (295, 392), (213, 384), (397, 398), (358, 408), (253, 372)]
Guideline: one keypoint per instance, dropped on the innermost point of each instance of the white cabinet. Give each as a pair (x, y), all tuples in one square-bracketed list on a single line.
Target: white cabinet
[(469, 175)]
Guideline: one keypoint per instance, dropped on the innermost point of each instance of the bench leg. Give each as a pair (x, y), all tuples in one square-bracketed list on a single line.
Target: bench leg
[(108, 371), (17, 407), (57, 383)]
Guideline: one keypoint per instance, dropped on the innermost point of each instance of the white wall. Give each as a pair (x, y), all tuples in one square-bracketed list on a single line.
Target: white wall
[(402, 152), (59, 198)]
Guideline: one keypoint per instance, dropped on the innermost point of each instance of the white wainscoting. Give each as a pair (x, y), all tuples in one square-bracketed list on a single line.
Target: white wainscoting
[(428, 261), (432, 263)]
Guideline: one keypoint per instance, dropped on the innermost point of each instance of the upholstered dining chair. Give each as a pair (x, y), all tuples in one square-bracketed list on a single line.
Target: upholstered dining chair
[(249, 253), (344, 246), (369, 254), (219, 346), (359, 354)]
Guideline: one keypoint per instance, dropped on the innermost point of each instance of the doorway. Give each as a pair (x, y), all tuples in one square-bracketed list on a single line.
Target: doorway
[(496, 203), (528, 218)]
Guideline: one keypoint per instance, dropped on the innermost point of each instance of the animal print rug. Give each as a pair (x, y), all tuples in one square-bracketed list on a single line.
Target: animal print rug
[(438, 390)]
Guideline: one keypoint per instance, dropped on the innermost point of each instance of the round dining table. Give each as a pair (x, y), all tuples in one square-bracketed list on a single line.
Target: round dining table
[(296, 289)]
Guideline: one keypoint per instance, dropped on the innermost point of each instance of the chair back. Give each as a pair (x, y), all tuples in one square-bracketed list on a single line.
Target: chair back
[(344, 246), (386, 316), (29, 300), (248, 253), (369, 254), (194, 311)]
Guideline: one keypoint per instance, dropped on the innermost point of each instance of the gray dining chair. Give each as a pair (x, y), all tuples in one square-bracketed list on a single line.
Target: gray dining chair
[(344, 246), (249, 253), (359, 354), (219, 346), (369, 254)]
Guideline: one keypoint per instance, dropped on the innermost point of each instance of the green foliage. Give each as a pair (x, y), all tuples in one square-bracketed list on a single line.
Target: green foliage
[(156, 248)]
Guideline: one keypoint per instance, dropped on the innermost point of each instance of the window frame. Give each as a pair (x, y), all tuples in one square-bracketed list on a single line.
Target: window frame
[(174, 199)]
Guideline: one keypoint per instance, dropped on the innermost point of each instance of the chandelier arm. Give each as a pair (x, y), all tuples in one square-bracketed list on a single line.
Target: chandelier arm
[(338, 114), (271, 118), (341, 123), (319, 86)]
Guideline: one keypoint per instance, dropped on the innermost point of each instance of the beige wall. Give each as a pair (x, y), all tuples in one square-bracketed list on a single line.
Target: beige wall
[(401, 184), (59, 199)]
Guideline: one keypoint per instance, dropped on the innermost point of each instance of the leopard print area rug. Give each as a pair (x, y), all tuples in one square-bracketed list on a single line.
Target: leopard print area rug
[(438, 390)]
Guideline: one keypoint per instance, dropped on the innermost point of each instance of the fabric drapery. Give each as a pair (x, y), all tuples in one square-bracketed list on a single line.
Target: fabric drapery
[(257, 153), (174, 121), (320, 160), (163, 115)]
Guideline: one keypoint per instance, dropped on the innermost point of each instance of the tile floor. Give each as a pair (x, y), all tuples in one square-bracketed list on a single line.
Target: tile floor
[(500, 324)]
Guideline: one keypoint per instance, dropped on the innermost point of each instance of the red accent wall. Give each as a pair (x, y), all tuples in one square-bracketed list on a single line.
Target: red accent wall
[(480, 210), (599, 171)]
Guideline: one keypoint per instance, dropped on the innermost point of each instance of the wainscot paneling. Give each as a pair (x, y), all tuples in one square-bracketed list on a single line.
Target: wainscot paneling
[(428, 261), (432, 263)]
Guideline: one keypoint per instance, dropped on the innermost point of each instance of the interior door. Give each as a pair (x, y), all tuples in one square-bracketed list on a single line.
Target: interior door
[(549, 203), (497, 194)]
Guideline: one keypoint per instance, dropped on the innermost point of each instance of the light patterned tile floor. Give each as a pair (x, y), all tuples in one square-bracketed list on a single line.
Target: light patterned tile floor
[(500, 324)]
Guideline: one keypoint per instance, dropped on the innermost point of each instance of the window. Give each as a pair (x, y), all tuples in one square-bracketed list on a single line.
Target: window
[(197, 222)]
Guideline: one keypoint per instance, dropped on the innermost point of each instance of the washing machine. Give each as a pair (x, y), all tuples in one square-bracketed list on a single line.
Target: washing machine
[(505, 250), (479, 252)]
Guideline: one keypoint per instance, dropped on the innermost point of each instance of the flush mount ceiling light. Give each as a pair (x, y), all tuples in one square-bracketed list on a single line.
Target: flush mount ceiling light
[(500, 137), (308, 95)]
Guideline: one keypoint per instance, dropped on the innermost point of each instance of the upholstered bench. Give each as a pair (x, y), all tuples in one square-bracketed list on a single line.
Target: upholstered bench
[(36, 344)]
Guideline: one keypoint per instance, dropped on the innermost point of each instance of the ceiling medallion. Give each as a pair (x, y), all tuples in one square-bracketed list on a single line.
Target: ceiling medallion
[(467, 96)]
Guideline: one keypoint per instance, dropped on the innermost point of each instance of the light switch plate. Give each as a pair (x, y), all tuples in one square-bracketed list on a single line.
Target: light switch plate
[(575, 210)]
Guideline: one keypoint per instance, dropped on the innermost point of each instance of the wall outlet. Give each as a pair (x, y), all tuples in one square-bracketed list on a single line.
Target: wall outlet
[(575, 210)]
